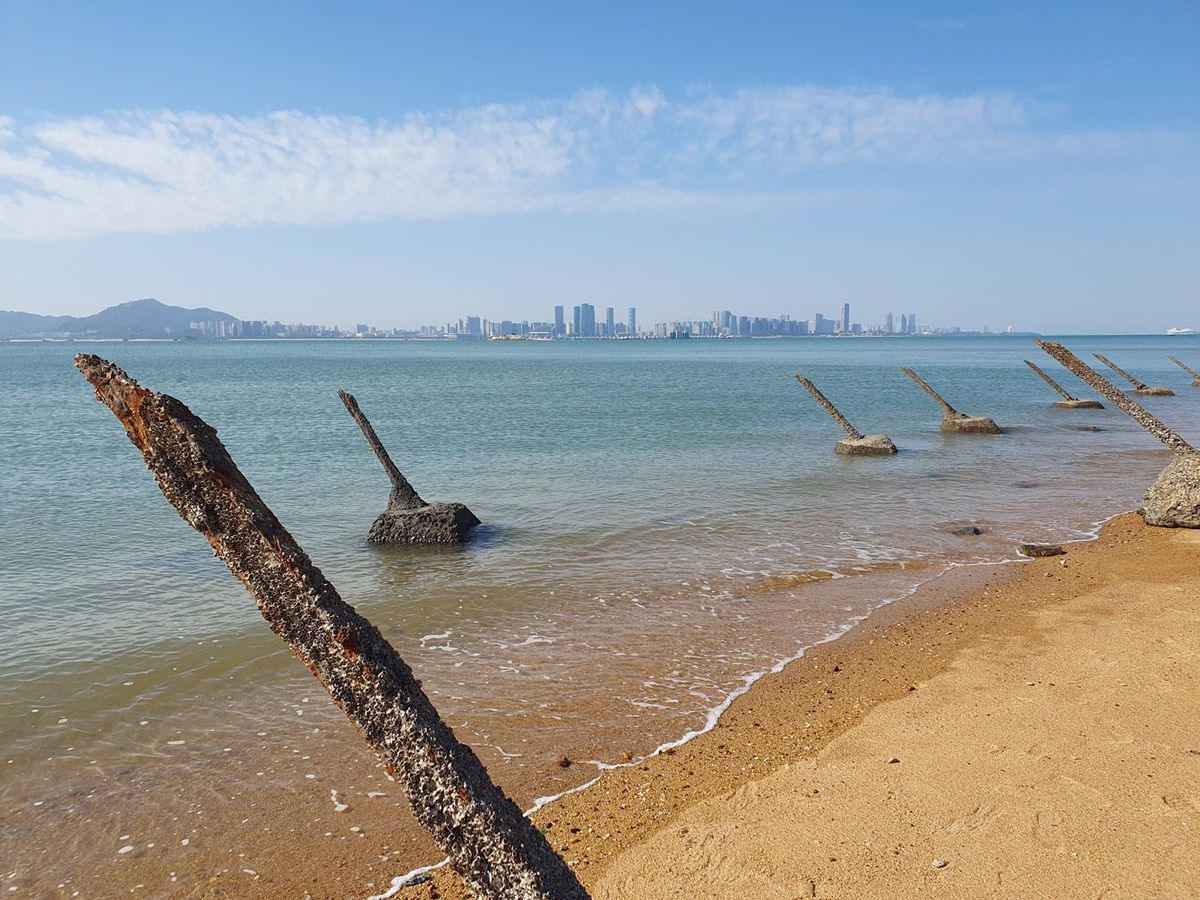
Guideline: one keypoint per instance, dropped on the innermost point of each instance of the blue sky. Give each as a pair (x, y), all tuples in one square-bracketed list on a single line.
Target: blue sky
[(1006, 163)]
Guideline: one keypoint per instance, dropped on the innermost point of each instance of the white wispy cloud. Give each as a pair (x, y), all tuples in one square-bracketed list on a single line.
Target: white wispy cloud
[(159, 171)]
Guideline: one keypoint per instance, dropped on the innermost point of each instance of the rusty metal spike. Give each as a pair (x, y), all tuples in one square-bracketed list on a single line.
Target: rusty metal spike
[(1139, 385), (1050, 381), (830, 408), (1119, 398), (497, 851), (946, 407), (404, 495), (1185, 367)]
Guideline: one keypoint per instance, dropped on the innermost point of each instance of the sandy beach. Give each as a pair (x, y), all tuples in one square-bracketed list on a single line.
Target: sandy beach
[(1026, 730)]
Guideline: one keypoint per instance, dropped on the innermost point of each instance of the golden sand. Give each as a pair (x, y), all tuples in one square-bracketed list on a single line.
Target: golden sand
[(1045, 719)]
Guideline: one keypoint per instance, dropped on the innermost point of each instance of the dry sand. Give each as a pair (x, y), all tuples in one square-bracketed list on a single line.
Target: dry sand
[(1046, 719)]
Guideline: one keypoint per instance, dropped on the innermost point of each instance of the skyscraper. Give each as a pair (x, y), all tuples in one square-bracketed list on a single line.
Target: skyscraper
[(889, 326), (631, 321), (560, 326), (587, 320), (610, 324), (577, 321), (912, 323), (903, 323), (822, 325), (845, 318)]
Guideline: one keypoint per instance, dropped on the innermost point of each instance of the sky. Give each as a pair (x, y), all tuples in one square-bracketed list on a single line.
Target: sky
[(1008, 163)]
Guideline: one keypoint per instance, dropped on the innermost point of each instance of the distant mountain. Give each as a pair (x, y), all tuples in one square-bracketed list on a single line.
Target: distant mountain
[(135, 319)]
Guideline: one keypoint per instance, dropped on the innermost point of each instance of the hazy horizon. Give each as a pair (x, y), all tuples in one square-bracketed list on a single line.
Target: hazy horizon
[(1008, 166)]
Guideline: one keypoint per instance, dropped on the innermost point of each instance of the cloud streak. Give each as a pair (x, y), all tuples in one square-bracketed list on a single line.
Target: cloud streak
[(162, 172)]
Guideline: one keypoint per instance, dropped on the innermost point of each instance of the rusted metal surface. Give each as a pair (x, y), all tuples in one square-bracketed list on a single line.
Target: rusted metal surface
[(1119, 398), (1184, 366), (404, 495), (937, 398), (830, 408), (1050, 381), (1139, 385), (496, 850), (954, 421)]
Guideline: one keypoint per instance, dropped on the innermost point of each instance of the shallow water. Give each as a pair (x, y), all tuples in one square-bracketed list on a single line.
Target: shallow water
[(662, 519)]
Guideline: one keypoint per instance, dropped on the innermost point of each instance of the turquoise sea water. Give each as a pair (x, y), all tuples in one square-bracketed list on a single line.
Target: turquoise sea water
[(657, 516)]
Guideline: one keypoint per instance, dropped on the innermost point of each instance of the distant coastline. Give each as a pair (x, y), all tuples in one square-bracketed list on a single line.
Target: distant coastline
[(151, 320)]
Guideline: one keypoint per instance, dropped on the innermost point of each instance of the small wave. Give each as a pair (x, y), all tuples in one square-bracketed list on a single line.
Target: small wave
[(714, 714), (770, 583), (534, 639)]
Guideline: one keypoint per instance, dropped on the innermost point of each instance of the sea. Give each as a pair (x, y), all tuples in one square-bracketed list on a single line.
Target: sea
[(663, 521)]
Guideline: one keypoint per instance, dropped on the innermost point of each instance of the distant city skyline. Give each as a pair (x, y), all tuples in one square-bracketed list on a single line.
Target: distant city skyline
[(1020, 163)]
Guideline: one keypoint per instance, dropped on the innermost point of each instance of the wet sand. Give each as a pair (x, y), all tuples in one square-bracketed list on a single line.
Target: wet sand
[(985, 684), (1046, 719)]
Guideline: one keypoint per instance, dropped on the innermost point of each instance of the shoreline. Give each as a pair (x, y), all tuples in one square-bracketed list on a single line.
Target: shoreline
[(937, 583), (208, 837), (884, 658), (292, 839)]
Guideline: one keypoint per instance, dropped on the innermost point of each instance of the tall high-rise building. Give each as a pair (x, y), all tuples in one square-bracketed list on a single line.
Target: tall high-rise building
[(912, 323), (845, 318), (474, 326), (560, 326), (903, 323), (577, 321), (889, 326), (610, 323), (631, 321), (587, 320)]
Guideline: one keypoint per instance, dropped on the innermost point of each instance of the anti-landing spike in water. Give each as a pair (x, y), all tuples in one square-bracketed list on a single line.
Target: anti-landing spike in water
[(857, 444), (497, 850), (1195, 375), (408, 519), (404, 495), (1173, 501), (1139, 387), (1119, 398), (952, 419), (1067, 401)]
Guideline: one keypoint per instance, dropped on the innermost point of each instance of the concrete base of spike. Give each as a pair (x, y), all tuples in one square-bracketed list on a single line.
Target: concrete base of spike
[(1155, 392), (962, 424), (1173, 501), (867, 445), (1079, 404), (437, 523)]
